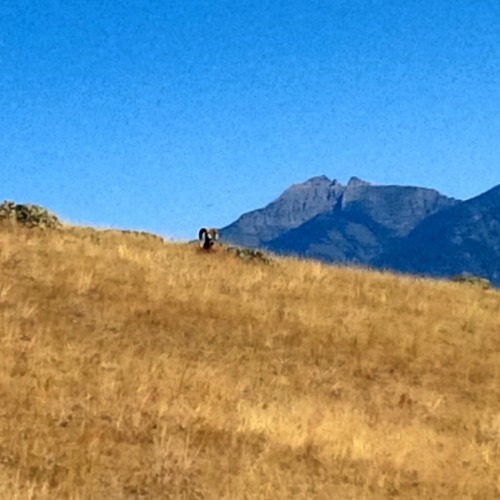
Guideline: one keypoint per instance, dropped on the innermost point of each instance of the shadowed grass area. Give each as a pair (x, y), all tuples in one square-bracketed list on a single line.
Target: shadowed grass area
[(133, 368)]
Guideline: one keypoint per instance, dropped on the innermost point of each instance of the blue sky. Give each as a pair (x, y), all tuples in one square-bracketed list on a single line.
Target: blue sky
[(169, 115)]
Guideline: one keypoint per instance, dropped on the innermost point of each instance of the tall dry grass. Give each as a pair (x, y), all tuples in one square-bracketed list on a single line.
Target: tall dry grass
[(131, 368)]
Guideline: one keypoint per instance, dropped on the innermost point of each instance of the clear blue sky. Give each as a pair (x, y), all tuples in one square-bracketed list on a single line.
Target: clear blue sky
[(166, 115)]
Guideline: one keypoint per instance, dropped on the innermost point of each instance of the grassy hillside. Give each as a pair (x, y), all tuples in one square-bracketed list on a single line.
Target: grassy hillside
[(132, 368)]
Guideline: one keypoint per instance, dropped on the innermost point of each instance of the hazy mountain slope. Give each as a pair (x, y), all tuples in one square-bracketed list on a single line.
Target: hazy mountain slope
[(298, 204), (323, 219), (397, 208), (464, 238), (347, 237)]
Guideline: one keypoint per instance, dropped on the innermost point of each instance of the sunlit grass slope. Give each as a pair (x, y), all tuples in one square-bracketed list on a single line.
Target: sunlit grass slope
[(134, 368)]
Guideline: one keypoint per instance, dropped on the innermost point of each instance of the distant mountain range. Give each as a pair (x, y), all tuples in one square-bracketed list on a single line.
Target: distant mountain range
[(409, 229)]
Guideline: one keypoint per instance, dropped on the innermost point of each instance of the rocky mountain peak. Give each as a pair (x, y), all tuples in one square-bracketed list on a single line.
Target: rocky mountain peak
[(356, 182), (407, 228), (317, 179), (296, 205)]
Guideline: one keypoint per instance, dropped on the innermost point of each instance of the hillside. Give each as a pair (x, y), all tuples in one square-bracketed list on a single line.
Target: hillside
[(133, 368)]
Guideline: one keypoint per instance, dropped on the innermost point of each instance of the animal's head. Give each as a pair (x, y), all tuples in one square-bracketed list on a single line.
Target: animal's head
[(208, 237)]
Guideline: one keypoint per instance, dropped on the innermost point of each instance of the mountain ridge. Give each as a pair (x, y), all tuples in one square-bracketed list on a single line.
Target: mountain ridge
[(463, 239), (380, 226)]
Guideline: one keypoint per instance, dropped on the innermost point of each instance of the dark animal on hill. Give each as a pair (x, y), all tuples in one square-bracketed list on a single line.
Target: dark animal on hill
[(208, 237)]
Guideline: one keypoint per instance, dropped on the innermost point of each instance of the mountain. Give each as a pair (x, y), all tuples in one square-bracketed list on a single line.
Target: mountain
[(397, 208), (298, 204), (404, 228), (323, 219), (340, 236), (462, 239)]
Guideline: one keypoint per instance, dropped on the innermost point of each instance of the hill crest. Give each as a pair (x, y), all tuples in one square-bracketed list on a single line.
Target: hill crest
[(132, 367)]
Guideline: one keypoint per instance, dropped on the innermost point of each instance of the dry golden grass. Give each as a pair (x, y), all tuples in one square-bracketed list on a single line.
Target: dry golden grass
[(131, 368)]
